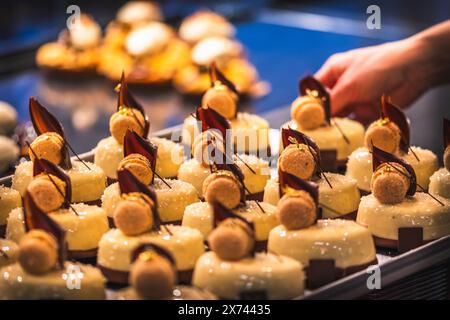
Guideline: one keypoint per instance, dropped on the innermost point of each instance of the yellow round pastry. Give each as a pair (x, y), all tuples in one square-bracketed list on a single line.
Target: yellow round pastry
[(359, 166), (224, 187), (139, 166), (126, 119), (47, 191), (330, 137), (87, 184), (344, 241), (279, 277), (384, 135), (340, 199), (171, 201), (199, 216), (420, 210), (221, 99), (185, 244), (107, 155), (17, 284), (47, 146), (440, 183), (133, 215), (296, 211), (390, 183), (298, 160), (84, 229), (308, 112), (38, 252), (9, 200), (205, 24)]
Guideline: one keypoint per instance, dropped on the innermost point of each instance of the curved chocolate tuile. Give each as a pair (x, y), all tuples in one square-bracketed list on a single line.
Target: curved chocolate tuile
[(446, 132), (289, 183), (397, 116), (290, 136), (126, 99), (211, 119), (36, 219), (128, 183), (43, 122), (221, 213), (312, 87), (134, 143), (49, 168), (146, 247), (379, 157), (216, 75)]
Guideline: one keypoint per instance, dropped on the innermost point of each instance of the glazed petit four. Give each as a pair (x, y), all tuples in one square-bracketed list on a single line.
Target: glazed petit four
[(440, 180), (173, 195), (88, 180), (338, 194), (390, 133), (137, 220), (9, 153), (153, 276), (139, 43), (41, 271), (130, 115), (337, 138), (50, 190), (8, 118), (77, 47), (226, 184), (232, 270), (9, 200), (328, 249), (394, 213), (9, 251), (249, 133), (214, 128), (210, 38)]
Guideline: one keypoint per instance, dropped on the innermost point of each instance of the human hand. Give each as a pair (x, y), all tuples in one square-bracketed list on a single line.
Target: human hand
[(358, 78)]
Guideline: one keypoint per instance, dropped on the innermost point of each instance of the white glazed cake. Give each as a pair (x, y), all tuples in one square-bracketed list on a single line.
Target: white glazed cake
[(16, 283), (343, 197), (84, 230), (330, 138), (440, 183), (278, 276), (87, 184), (420, 210), (9, 200), (200, 216), (9, 251), (171, 202), (345, 241), (359, 166)]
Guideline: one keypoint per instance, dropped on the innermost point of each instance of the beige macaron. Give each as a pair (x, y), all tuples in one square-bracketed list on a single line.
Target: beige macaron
[(126, 119), (133, 214), (47, 146), (47, 191), (296, 211), (38, 252), (390, 183), (298, 160), (223, 187), (383, 134), (308, 112)]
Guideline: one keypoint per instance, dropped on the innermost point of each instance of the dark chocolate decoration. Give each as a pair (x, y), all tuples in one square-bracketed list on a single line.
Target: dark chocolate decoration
[(379, 157), (397, 116), (288, 181), (36, 219), (43, 122), (47, 167), (446, 126), (134, 143), (155, 248), (216, 75), (409, 238), (309, 83), (128, 183), (211, 119), (222, 213), (126, 99)]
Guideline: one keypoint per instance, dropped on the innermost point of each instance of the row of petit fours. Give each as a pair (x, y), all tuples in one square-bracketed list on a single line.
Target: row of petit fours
[(297, 212)]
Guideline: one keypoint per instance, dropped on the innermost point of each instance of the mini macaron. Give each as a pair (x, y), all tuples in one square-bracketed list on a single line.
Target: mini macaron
[(139, 166), (47, 146), (383, 134), (223, 187), (298, 160), (308, 112), (390, 185), (204, 145), (231, 240), (133, 214), (221, 99), (126, 119), (47, 191), (296, 211), (38, 252)]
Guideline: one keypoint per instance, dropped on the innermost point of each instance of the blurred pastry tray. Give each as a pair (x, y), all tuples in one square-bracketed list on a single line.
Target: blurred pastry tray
[(421, 273)]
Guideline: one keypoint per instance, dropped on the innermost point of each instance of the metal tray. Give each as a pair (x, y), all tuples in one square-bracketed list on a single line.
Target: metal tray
[(420, 273)]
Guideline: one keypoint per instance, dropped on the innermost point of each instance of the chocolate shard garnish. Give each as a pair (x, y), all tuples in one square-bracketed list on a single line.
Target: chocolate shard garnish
[(446, 127), (134, 143), (145, 247), (289, 183), (222, 213), (126, 99), (397, 116), (36, 219), (409, 238), (312, 87), (216, 75), (43, 122), (128, 183), (379, 157), (49, 168), (211, 119)]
